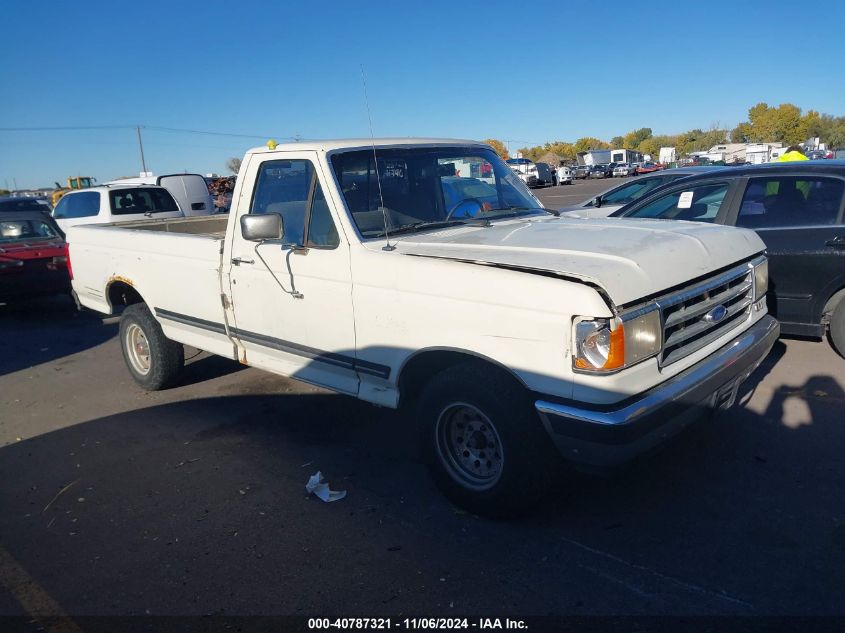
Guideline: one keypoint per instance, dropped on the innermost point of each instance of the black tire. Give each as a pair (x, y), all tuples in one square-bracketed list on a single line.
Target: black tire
[(837, 328), (141, 339), (508, 434)]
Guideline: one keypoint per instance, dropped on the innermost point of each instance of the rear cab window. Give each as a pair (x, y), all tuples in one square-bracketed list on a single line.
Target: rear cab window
[(791, 201), (84, 204), (141, 200)]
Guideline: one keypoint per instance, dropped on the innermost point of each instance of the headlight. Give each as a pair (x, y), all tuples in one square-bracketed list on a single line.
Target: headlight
[(761, 280), (606, 345)]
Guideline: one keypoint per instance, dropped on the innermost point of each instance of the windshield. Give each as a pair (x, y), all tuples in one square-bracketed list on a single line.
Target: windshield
[(632, 191), (425, 187)]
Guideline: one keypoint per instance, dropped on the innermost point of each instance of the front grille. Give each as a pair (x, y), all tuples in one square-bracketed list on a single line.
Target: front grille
[(686, 327)]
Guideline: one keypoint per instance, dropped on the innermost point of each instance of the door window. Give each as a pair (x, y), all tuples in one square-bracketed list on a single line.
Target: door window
[(697, 203), (790, 201), (291, 189)]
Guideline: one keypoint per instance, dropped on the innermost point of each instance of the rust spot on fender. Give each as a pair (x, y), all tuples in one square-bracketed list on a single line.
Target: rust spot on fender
[(242, 359), (115, 278)]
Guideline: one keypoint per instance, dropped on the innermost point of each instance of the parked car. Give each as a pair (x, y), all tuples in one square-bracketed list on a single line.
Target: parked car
[(565, 175), (602, 170), (607, 202), (33, 256), (550, 172), (340, 265), (114, 203), (648, 167), (526, 169), (21, 203), (581, 172), (796, 208), (623, 170)]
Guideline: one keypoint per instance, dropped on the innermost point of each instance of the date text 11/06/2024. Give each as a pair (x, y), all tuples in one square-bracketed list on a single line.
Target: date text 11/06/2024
[(416, 623)]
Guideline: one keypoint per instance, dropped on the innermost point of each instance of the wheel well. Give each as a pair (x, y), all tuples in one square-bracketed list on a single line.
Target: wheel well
[(123, 294), (423, 366), (831, 304)]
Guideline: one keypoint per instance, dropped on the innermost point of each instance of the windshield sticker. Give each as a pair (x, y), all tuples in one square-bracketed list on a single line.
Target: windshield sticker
[(685, 201)]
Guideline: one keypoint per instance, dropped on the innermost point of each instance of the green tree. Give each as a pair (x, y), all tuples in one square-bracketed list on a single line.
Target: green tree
[(617, 142), (563, 149), (499, 146), (768, 124), (741, 133), (587, 143), (633, 138), (653, 144), (532, 153)]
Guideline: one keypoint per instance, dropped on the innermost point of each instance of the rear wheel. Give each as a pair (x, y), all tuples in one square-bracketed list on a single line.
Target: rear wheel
[(154, 361), (483, 442), (837, 328)]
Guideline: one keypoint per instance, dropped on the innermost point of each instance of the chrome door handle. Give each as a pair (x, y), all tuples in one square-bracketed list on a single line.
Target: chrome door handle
[(836, 242), (237, 261)]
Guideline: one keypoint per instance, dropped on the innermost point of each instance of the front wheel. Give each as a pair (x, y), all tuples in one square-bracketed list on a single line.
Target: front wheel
[(483, 442), (154, 361)]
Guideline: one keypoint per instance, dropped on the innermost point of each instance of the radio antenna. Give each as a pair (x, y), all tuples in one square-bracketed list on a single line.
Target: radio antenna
[(388, 246)]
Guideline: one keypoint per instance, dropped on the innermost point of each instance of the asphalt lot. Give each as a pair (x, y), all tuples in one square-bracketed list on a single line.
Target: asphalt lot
[(191, 500), (577, 192)]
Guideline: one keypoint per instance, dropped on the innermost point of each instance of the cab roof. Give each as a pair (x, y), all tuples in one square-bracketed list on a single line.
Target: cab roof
[(329, 145)]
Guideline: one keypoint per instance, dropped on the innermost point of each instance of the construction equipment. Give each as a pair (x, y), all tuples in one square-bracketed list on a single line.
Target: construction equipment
[(73, 182)]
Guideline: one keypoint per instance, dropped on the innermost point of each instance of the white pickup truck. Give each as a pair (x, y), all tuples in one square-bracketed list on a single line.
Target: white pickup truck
[(513, 331)]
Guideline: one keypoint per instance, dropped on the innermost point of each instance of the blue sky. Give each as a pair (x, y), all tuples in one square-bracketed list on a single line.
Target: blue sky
[(526, 71)]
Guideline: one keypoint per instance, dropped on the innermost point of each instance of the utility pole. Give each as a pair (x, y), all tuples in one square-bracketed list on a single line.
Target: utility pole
[(141, 145)]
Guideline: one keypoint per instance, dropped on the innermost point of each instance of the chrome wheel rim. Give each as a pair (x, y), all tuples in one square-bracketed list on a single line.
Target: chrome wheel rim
[(468, 445), (138, 349)]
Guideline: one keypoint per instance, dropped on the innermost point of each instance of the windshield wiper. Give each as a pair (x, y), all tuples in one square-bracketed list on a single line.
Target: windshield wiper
[(419, 226), (517, 209)]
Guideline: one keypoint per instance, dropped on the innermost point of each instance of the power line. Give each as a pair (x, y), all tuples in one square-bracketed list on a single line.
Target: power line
[(144, 127)]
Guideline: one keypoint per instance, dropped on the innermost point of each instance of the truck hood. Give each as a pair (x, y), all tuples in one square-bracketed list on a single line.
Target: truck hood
[(591, 212), (629, 258)]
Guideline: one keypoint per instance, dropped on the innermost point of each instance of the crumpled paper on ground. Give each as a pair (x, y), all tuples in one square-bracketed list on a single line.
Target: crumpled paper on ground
[(318, 487)]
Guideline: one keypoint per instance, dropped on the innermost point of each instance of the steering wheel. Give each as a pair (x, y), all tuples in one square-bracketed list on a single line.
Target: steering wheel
[(460, 202)]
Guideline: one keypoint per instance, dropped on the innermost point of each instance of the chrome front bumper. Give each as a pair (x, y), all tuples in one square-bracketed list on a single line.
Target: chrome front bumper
[(600, 438)]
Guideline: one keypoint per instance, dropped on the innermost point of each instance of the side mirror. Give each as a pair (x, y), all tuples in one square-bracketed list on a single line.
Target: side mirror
[(597, 202), (257, 227)]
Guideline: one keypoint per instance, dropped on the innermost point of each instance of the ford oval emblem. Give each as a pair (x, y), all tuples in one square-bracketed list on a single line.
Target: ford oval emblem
[(716, 315)]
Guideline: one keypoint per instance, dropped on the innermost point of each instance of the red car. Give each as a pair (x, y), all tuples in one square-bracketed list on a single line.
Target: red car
[(647, 168), (33, 256)]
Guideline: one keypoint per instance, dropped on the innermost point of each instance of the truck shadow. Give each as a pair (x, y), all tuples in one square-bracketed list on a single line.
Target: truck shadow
[(742, 515), (42, 330)]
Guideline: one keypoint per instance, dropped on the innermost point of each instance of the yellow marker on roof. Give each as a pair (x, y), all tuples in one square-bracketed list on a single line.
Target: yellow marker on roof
[(272, 144)]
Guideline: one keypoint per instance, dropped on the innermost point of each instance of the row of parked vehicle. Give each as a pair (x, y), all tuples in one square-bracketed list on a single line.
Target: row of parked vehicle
[(614, 170), (547, 175)]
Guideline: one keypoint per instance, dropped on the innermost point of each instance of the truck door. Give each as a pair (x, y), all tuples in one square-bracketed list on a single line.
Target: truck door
[(292, 297)]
